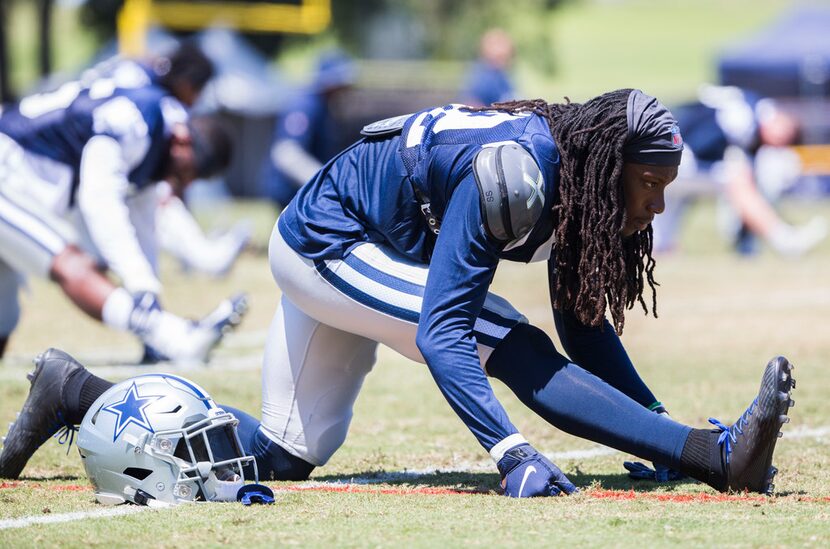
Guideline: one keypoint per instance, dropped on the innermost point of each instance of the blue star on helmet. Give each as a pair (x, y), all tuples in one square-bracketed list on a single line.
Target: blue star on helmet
[(131, 410)]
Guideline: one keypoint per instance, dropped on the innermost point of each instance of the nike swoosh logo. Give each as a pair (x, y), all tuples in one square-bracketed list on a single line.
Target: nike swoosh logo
[(529, 471)]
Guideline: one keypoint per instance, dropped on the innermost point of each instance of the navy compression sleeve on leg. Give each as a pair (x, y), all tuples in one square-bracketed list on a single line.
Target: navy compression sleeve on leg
[(600, 351), (580, 403), (272, 460)]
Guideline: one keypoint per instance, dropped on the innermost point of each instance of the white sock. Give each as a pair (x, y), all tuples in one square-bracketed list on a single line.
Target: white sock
[(117, 309), (795, 241)]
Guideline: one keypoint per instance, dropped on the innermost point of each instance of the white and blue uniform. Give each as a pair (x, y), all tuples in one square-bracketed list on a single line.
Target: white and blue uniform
[(720, 134), (305, 137), (92, 150), (357, 265)]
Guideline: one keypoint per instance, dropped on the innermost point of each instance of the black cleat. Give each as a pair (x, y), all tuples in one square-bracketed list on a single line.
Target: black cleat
[(42, 414), (746, 447)]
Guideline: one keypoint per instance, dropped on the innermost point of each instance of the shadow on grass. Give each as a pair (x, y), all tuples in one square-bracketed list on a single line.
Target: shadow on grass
[(489, 482), (50, 478)]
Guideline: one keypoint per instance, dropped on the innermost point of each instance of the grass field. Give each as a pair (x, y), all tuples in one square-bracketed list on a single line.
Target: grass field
[(411, 475)]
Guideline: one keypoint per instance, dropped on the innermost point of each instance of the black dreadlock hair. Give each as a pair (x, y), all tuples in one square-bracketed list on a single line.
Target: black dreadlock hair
[(593, 266)]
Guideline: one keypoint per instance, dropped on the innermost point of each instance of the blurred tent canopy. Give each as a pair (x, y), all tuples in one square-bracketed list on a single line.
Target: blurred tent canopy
[(787, 59), (790, 60)]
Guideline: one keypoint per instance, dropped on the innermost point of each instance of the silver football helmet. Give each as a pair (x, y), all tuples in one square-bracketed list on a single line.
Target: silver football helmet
[(159, 439)]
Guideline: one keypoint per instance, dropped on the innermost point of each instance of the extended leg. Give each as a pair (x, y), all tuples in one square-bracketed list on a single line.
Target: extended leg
[(735, 457), (600, 351), (34, 242), (580, 403)]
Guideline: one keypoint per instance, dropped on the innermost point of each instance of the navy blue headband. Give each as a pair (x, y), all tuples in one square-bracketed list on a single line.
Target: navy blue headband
[(653, 134)]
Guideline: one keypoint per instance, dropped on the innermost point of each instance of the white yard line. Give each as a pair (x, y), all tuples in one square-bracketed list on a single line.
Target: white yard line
[(108, 512), (808, 432), (123, 368)]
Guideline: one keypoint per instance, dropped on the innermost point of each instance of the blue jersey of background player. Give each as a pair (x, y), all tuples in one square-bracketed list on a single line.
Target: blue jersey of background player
[(94, 151), (306, 135), (723, 118), (140, 119), (488, 80)]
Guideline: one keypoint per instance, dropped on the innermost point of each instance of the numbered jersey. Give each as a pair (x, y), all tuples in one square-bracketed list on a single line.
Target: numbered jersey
[(56, 126), (368, 195)]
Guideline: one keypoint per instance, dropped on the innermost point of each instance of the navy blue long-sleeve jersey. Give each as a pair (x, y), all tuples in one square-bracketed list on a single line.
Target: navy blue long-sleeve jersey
[(366, 195)]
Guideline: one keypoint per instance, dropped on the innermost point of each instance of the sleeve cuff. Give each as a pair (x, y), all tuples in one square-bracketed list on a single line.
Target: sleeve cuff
[(497, 452)]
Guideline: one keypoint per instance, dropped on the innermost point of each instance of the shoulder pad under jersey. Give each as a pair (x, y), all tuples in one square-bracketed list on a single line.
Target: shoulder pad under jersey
[(387, 126), (512, 190)]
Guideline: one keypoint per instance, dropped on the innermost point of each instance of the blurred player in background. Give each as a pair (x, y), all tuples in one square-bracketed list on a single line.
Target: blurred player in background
[(397, 240), (489, 79), (180, 235), (734, 141), (183, 72), (97, 151), (306, 136)]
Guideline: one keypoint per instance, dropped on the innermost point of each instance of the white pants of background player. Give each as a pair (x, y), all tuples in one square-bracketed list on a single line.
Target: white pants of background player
[(323, 338), (34, 228)]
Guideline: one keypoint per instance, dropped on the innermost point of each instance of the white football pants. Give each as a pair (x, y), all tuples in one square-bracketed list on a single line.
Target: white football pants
[(322, 341)]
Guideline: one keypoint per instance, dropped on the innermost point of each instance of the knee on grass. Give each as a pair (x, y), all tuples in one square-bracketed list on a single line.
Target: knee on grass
[(275, 463)]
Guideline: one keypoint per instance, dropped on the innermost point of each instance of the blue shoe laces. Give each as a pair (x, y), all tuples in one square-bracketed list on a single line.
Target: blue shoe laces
[(65, 432), (729, 435)]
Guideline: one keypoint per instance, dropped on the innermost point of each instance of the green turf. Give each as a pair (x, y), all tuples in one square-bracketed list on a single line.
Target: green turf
[(721, 319)]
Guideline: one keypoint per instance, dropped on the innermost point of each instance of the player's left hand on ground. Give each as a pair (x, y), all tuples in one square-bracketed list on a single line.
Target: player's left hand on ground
[(660, 473), (526, 473)]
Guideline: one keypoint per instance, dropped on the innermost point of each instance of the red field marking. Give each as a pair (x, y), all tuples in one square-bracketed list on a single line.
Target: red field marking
[(594, 493), (678, 498), (599, 493), (38, 486)]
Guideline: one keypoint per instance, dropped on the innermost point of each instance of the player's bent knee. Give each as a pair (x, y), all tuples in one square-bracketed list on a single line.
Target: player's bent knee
[(71, 266), (275, 462)]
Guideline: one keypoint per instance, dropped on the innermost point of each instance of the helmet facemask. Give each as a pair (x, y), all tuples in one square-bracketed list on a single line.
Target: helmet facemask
[(208, 454)]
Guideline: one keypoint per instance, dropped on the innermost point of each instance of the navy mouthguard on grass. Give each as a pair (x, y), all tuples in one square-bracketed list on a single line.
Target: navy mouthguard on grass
[(255, 493)]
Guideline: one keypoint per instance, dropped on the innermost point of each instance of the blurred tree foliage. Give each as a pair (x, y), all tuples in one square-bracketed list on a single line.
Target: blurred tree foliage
[(437, 29), (100, 17), (441, 29)]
